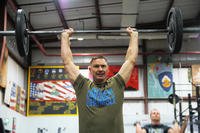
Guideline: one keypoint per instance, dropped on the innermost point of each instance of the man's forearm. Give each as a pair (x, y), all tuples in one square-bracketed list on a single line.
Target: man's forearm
[(132, 51), (184, 125), (66, 53)]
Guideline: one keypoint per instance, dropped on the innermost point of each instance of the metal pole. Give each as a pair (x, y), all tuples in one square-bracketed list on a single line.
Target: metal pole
[(174, 102), (190, 113), (78, 31), (185, 30), (198, 106), (98, 31), (180, 113)]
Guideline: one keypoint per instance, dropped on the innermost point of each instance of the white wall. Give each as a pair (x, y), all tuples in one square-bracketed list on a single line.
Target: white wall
[(16, 74), (68, 124)]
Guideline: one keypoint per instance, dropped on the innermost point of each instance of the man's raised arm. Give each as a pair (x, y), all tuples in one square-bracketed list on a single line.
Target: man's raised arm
[(66, 55), (131, 55)]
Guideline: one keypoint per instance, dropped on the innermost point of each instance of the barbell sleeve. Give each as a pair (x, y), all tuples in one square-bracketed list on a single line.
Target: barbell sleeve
[(7, 33), (191, 30)]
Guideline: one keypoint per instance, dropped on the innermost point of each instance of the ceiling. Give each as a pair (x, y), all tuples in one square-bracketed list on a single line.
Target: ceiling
[(103, 14)]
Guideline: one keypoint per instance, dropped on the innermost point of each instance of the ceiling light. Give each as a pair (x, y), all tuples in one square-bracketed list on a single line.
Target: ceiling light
[(80, 38)]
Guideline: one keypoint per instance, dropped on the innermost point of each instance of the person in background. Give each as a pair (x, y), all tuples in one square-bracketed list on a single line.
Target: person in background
[(156, 127), (99, 101)]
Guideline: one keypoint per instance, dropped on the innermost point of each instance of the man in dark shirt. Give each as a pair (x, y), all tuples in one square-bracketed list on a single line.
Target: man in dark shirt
[(157, 127)]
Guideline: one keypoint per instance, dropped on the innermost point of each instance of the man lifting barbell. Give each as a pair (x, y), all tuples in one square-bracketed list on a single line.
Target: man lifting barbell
[(156, 127), (100, 101)]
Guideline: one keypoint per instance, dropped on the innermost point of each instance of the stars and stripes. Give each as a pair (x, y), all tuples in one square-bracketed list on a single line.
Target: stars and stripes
[(52, 90)]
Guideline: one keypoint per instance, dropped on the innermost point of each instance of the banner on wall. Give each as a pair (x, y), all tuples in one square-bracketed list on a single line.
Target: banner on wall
[(160, 78), (3, 69), (195, 77), (132, 83), (15, 97), (196, 74), (50, 92)]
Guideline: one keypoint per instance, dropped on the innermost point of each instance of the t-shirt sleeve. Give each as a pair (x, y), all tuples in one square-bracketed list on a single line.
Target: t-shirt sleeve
[(120, 80), (166, 128), (146, 127), (78, 83)]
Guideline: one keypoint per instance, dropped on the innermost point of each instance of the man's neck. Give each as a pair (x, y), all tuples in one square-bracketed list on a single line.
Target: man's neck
[(100, 84), (155, 122), (99, 81)]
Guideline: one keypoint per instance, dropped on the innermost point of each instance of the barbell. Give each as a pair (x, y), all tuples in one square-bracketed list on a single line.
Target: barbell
[(174, 28)]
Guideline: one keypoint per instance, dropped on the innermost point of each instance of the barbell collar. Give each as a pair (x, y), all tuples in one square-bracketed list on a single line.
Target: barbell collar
[(7, 33)]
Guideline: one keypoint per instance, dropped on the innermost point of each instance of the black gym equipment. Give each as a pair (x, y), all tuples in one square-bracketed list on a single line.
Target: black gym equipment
[(192, 110), (193, 118), (174, 28), (175, 33)]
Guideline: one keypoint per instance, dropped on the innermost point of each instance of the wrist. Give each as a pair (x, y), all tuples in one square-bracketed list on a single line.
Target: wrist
[(137, 123), (134, 35), (65, 36)]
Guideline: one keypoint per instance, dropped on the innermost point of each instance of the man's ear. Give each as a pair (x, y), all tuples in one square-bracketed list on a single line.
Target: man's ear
[(89, 68)]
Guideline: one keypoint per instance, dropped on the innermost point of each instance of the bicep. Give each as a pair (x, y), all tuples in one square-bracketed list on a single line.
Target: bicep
[(126, 70), (72, 71)]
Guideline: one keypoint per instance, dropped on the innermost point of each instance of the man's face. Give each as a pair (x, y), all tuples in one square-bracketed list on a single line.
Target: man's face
[(155, 115), (99, 70)]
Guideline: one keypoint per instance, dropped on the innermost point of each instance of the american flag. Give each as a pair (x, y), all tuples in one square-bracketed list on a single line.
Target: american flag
[(52, 90)]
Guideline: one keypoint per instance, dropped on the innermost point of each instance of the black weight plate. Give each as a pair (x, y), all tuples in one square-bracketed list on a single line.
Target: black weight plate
[(21, 35), (175, 30), (173, 98)]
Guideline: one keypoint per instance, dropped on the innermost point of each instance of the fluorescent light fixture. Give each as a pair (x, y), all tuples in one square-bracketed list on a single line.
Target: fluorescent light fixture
[(80, 38)]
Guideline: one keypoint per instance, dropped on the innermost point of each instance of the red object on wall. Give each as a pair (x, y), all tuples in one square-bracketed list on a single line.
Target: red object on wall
[(133, 81)]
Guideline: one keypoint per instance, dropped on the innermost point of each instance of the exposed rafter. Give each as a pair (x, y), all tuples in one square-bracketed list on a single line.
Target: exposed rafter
[(62, 18), (99, 22), (162, 24), (35, 3), (74, 8), (198, 16)]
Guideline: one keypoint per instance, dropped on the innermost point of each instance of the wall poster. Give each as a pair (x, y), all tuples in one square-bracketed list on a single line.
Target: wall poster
[(160, 78), (195, 78), (132, 84), (50, 92)]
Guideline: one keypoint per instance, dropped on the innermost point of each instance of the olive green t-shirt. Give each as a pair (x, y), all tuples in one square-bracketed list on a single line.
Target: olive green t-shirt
[(100, 105)]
